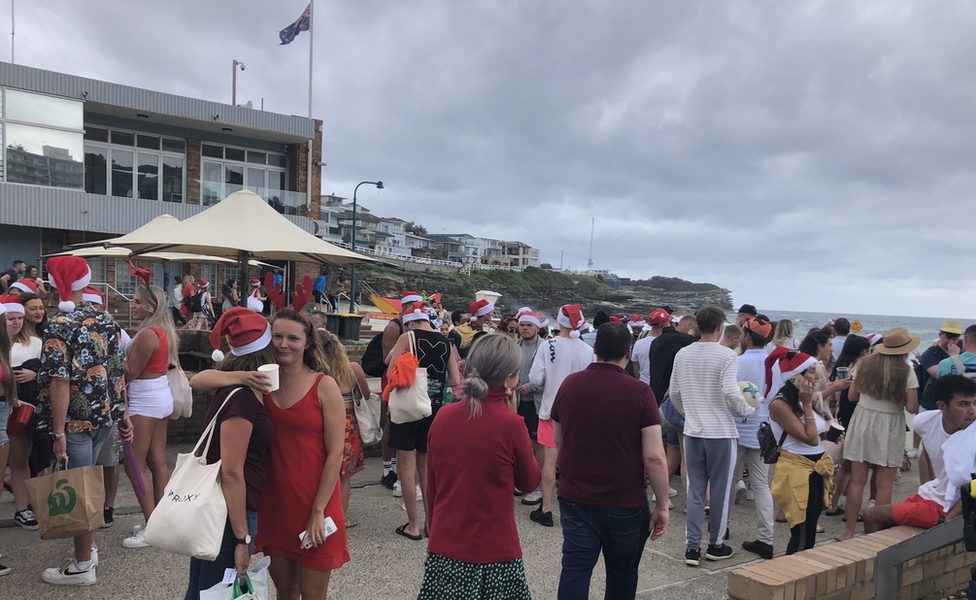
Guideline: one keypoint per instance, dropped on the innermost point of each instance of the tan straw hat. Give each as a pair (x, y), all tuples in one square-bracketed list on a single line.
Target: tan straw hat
[(898, 341), (951, 327)]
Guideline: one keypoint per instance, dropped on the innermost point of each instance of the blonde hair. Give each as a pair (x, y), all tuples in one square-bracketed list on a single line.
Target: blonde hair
[(493, 358), (784, 333), (336, 359), (884, 377), (160, 318)]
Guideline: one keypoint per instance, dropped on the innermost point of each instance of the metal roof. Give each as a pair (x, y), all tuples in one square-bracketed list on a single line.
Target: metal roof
[(123, 100)]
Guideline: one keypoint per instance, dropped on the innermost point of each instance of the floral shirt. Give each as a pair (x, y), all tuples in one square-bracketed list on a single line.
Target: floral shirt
[(83, 346)]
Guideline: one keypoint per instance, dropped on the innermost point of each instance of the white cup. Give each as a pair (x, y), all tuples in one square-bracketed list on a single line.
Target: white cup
[(272, 372)]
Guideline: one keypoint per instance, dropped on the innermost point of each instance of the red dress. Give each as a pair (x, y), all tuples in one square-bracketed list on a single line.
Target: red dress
[(296, 459)]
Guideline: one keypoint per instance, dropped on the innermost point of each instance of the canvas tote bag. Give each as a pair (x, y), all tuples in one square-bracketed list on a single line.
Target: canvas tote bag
[(182, 394), (412, 403), (192, 514), (68, 502)]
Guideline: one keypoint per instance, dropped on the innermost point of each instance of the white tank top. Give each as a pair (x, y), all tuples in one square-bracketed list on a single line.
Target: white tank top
[(794, 445)]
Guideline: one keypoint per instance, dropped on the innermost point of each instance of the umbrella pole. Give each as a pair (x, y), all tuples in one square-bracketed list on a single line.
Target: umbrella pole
[(242, 278)]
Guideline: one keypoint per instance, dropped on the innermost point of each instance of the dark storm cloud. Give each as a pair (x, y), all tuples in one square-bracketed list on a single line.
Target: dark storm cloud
[(776, 148)]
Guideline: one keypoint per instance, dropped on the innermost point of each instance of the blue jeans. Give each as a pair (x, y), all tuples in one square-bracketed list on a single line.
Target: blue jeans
[(83, 447), (619, 532), (204, 574)]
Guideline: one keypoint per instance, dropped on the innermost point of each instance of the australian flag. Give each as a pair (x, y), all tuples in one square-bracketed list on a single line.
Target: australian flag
[(288, 34)]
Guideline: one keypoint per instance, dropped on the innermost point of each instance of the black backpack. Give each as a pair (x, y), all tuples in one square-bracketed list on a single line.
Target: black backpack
[(372, 361), (194, 303)]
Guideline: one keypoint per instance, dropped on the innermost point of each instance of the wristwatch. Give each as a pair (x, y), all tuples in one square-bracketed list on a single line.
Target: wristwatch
[(57, 436), (246, 540)]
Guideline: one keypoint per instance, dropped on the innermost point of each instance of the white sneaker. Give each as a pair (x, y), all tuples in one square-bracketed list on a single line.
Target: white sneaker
[(870, 504), (420, 495), (137, 528), (913, 453), (654, 499), (740, 491), (672, 492), (136, 541), (69, 574), (750, 496), (94, 557), (532, 498), (397, 490)]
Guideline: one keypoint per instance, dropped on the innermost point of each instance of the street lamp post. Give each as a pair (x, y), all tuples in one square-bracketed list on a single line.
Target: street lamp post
[(352, 278)]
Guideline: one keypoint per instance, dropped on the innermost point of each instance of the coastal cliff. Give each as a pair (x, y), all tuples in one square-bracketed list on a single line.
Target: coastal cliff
[(545, 290)]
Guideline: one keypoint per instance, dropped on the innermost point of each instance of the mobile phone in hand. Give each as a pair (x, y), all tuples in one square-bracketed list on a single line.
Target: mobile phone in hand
[(329, 528)]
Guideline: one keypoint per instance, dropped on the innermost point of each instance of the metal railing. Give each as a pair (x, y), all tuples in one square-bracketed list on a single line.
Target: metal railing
[(114, 291), (453, 264)]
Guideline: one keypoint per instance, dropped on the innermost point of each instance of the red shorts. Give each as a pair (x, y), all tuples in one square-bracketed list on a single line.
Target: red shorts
[(545, 436), (918, 512)]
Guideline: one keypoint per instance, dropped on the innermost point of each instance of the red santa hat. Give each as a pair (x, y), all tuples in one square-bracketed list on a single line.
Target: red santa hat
[(659, 318), (571, 317), (415, 312), (408, 297), (247, 332), (531, 318), (480, 308), (637, 321), (12, 304), (90, 294), (68, 274), (2, 309), (203, 284), (26, 286), (255, 283), (875, 338), (522, 311), (788, 365)]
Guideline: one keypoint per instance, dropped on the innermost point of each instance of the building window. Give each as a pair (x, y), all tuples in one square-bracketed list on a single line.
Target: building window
[(42, 140), (125, 283), (235, 169), (134, 174), (209, 272), (97, 266)]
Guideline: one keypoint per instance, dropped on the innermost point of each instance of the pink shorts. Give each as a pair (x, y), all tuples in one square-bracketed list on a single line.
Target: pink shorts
[(545, 436)]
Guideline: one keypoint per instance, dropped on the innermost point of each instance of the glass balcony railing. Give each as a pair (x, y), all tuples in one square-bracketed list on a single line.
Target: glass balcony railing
[(284, 201)]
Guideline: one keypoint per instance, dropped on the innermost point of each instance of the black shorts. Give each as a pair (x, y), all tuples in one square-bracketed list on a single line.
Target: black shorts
[(410, 436), (527, 411)]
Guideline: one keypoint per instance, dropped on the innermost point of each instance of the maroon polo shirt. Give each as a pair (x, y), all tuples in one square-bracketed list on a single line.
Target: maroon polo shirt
[(601, 411)]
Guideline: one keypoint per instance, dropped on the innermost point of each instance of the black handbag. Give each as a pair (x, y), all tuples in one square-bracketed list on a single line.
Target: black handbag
[(768, 447)]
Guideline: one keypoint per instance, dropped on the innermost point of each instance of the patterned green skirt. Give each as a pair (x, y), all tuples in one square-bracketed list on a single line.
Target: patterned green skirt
[(449, 579)]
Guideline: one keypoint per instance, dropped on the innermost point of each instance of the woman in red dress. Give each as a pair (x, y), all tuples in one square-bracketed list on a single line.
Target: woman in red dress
[(309, 417), (302, 488)]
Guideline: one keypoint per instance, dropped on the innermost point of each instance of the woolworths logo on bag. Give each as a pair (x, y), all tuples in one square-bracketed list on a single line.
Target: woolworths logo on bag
[(62, 499)]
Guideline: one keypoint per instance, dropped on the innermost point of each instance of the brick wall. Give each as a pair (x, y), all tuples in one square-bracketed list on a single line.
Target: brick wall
[(846, 571), (193, 166)]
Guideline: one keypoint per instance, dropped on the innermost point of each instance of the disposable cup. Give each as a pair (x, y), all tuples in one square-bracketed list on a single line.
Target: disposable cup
[(835, 431), (271, 371), (843, 372), (22, 413)]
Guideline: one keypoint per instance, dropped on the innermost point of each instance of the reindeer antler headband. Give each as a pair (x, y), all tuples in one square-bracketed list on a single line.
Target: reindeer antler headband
[(299, 297), (142, 274)]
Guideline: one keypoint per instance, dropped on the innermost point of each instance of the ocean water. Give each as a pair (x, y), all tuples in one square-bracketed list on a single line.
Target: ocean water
[(926, 327)]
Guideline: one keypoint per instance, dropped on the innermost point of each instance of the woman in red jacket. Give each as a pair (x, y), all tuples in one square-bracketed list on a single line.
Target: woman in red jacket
[(479, 451)]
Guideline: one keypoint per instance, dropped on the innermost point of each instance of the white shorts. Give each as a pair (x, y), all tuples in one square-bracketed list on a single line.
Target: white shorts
[(150, 398)]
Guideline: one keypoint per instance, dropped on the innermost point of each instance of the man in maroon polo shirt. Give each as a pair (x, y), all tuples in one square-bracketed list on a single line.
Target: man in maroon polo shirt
[(608, 434)]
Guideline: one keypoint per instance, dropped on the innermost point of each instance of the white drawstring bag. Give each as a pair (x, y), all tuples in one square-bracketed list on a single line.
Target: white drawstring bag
[(191, 517)]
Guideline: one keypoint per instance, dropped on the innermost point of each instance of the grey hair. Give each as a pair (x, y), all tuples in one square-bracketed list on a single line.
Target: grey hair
[(493, 359)]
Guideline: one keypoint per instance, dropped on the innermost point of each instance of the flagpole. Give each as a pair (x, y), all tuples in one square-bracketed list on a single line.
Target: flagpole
[(311, 45)]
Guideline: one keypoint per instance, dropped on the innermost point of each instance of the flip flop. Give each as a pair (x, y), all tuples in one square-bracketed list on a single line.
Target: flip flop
[(350, 523), (821, 529), (835, 513), (402, 530)]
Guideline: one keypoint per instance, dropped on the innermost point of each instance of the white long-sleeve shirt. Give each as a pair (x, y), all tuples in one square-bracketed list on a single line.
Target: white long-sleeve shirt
[(556, 360), (705, 390)]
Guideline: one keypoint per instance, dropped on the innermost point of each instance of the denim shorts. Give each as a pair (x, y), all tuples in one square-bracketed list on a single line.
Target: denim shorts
[(4, 417), (672, 422), (83, 447)]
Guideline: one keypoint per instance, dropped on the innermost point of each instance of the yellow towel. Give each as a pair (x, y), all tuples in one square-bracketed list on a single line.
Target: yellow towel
[(791, 485)]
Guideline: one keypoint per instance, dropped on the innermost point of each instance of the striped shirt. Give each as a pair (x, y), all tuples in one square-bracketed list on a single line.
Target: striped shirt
[(704, 389)]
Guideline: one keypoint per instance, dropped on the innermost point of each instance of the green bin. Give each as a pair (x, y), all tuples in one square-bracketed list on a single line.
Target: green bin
[(332, 322), (349, 327)]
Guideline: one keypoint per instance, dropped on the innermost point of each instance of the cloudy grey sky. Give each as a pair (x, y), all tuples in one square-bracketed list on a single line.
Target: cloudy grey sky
[(805, 155)]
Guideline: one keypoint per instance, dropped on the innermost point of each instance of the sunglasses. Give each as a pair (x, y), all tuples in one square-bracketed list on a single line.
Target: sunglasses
[(513, 329)]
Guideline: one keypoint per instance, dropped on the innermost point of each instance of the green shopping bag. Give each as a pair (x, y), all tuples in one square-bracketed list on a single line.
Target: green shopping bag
[(68, 502)]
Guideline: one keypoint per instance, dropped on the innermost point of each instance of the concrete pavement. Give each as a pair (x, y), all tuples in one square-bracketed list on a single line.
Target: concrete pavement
[(383, 564)]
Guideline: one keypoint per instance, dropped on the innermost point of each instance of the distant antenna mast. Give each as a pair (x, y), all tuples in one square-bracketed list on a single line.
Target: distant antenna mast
[(589, 263)]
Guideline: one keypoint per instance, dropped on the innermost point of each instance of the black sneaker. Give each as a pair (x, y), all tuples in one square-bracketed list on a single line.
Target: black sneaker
[(389, 480), (26, 519), (692, 557), (762, 549), (542, 518), (718, 552), (109, 513), (726, 534), (4, 570)]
